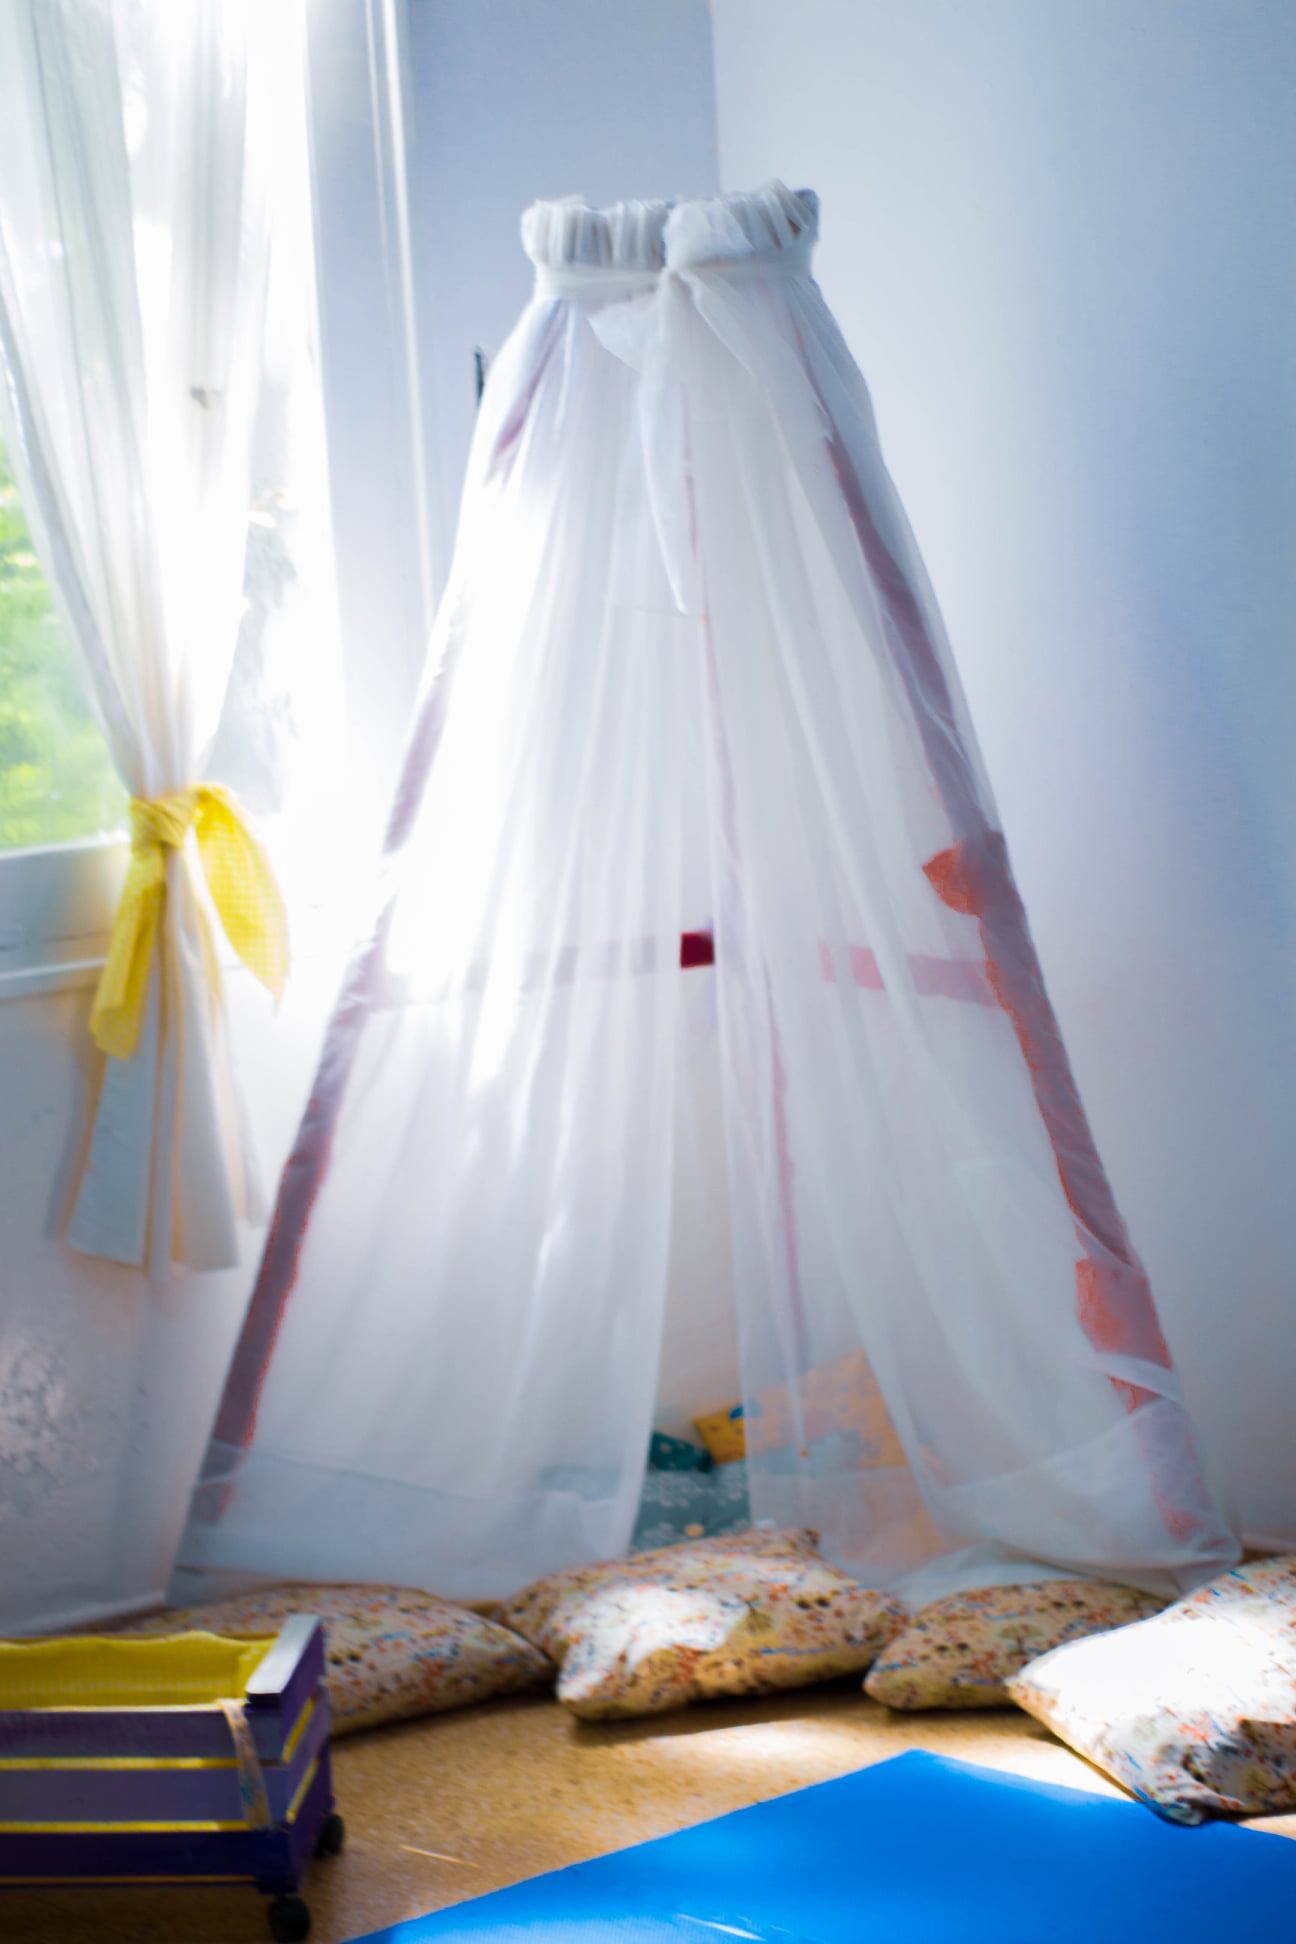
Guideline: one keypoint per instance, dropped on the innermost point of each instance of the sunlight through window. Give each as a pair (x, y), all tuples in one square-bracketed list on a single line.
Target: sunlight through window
[(57, 782)]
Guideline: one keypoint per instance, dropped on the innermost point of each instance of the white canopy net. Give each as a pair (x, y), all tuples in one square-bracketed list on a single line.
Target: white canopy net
[(699, 984)]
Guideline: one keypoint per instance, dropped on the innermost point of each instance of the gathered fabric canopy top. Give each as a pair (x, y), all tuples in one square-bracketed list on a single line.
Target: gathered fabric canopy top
[(700, 1002)]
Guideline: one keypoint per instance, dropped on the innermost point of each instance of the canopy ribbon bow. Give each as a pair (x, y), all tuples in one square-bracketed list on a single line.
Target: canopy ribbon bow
[(243, 890)]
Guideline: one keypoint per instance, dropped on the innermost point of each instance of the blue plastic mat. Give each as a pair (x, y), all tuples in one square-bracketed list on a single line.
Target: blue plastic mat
[(917, 1850)]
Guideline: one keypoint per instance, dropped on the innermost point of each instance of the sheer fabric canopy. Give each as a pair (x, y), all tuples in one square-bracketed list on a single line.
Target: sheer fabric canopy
[(698, 977)]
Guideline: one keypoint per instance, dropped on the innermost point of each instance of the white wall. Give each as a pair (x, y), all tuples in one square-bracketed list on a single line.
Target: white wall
[(1059, 239), (514, 100)]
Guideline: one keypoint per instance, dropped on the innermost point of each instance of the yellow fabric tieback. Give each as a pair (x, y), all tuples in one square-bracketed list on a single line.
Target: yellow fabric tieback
[(243, 890)]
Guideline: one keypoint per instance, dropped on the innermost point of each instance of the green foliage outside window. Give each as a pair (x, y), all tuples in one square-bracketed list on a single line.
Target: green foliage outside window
[(56, 779)]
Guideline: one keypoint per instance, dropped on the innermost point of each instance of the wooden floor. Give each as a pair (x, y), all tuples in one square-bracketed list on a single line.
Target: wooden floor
[(450, 1807)]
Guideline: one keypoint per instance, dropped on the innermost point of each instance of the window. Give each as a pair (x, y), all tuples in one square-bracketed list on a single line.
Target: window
[(57, 781), (63, 811)]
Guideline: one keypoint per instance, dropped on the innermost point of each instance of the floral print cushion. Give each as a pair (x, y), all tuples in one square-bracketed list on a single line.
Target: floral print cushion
[(392, 1651), (738, 1614), (959, 1652), (1195, 1710)]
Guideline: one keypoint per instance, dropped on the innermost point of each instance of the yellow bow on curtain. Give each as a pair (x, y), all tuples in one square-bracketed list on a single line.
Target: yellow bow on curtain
[(243, 890)]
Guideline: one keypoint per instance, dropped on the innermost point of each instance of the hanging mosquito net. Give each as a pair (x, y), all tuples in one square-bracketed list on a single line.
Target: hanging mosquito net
[(698, 989)]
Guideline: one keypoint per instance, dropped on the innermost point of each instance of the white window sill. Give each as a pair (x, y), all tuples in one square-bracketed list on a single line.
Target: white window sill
[(56, 912), (57, 905)]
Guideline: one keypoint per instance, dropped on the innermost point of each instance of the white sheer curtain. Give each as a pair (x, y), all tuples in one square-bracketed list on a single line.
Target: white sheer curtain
[(692, 803), (154, 161)]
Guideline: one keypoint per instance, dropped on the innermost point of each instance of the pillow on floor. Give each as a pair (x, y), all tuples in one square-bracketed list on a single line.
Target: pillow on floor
[(391, 1650), (749, 1612), (1195, 1710), (959, 1652)]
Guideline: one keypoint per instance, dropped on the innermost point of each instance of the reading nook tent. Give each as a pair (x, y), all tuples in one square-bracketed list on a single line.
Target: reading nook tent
[(698, 986)]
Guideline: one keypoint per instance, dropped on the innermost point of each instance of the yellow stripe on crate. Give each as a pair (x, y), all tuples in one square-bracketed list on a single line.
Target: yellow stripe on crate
[(298, 1729), (294, 1807), (91, 1763)]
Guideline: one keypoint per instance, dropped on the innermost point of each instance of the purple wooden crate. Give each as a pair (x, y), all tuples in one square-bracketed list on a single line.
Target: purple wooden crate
[(186, 1807)]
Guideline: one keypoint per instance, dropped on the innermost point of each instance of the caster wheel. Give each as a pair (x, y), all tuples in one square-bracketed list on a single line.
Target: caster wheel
[(289, 1919), (331, 1837)]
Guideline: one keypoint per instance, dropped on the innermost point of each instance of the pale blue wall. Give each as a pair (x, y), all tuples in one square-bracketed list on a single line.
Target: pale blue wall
[(518, 99), (1059, 236)]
